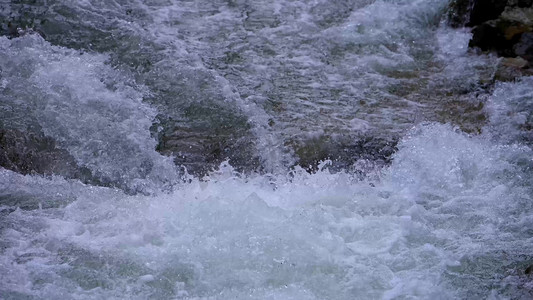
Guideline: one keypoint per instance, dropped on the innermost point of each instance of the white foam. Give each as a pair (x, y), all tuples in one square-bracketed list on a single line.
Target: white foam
[(510, 109), (313, 236), (450, 218), (89, 108)]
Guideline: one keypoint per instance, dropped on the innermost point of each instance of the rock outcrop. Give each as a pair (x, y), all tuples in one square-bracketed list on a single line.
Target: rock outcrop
[(485, 10), (504, 27)]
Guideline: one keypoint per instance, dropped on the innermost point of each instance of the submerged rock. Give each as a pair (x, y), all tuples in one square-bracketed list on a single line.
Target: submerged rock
[(201, 150), (33, 153), (510, 69), (343, 153), (516, 62), (524, 47)]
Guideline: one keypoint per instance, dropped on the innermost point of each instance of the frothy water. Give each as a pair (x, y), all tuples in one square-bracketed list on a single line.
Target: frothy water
[(511, 109), (451, 217), (427, 194), (270, 84), (85, 105)]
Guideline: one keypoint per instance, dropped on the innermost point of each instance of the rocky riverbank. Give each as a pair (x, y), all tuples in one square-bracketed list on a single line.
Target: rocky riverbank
[(501, 27)]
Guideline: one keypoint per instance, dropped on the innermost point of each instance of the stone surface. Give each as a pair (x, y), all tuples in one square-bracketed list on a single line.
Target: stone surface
[(501, 26), (33, 153), (520, 3), (485, 10), (524, 47), (508, 32), (522, 15), (511, 69), (459, 13), (516, 62), (343, 152), (488, 36)]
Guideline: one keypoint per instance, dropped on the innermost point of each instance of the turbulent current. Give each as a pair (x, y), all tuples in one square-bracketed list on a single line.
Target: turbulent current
[(209, 149)]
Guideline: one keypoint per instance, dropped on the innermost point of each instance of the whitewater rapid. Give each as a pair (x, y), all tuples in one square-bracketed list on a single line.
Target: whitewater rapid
[(451, 217), (183, 133)]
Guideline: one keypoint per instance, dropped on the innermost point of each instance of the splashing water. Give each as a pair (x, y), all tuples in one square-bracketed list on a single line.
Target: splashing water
[(125, 91), (87, 107), (451, 210)]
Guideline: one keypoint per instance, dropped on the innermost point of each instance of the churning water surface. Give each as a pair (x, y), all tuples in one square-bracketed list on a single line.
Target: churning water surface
[(183, 133)]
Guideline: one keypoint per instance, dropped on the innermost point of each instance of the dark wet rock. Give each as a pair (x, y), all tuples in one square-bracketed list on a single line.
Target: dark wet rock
[(524, 47), (201, 150), (61, 25), (487, 37), (508, 33), (510, 69), (516, 62), (33, 153), (20, 17), (485, 10), (12, 30), (459, 12), (529, 270), (501, 26), (475, 12), (499, 36), (343, 152), (520, 15), (520, 3), (463, 111)]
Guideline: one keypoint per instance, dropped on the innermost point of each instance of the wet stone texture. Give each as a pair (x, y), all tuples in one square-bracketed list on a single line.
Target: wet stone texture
[(503, 27), (32, 153), (343, 152), (200, 151)]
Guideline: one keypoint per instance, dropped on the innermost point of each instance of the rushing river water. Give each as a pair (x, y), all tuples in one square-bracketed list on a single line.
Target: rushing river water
[(161, 149)]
